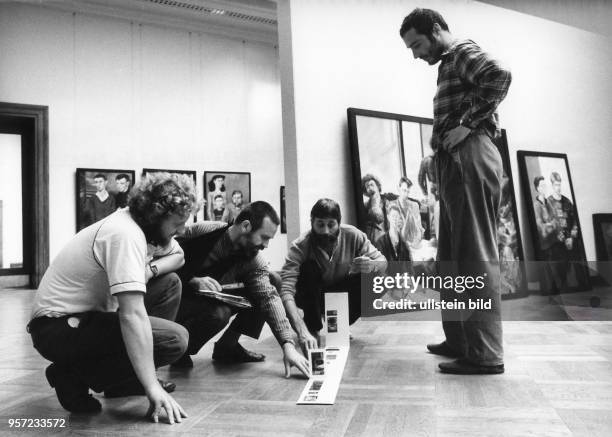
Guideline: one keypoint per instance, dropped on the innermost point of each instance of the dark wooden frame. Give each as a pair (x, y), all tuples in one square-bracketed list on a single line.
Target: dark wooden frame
[(225, 173), (600, 245), (191, 173), (352, 114), (132, 173), (527, 198), (502, 146), (37, 174), (283, 211)]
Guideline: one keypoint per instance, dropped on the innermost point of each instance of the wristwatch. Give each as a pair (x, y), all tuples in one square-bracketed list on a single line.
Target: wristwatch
[(288, 341), (154, 270)]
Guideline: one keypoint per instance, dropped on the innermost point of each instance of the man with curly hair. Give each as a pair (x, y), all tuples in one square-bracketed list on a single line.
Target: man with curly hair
[(104, 310)]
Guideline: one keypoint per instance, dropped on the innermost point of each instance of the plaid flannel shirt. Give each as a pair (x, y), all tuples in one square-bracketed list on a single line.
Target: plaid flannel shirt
[(253, 273), (470, 87)]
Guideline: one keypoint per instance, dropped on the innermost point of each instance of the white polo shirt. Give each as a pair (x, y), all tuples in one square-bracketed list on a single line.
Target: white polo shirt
[(105, 258)]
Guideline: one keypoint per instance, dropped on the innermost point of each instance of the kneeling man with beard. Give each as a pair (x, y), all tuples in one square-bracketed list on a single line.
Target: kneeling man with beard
[(216, 254), (329, 257)]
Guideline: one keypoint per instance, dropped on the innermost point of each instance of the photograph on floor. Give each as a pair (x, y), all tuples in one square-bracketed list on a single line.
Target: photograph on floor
[(226, 194), (553, 216), (100, 192), (190, 173)]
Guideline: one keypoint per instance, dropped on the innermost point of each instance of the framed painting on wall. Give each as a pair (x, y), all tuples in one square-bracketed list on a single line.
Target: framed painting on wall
[(553, 217), (226, 193), (99, 192), (189, 173)]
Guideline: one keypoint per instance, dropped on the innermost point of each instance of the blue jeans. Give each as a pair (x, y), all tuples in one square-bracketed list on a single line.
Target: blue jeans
[(470, 180)]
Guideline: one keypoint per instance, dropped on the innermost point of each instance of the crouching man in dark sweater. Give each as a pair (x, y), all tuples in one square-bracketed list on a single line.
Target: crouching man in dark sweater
[(216, 254)]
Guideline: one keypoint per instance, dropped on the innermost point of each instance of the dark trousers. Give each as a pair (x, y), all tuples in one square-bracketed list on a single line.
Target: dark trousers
[(309, 295), (557, 268), (470, 191), (205, 317), (94, 352)]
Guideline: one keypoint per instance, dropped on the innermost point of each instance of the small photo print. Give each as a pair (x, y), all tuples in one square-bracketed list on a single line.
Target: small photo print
[(317, 361), (332, 321), (316, 385)]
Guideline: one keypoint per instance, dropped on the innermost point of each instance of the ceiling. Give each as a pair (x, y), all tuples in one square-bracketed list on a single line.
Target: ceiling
[(254, 20)]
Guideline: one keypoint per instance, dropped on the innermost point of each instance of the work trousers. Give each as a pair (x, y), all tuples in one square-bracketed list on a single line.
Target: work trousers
[(470, 191), (204, 317), (94, 352)]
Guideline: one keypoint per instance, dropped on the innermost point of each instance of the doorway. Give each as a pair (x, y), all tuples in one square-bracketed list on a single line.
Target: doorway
[(24, 206)]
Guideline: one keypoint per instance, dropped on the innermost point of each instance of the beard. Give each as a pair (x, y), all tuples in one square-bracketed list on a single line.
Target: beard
[(246, 249), (435, 52), (155, 237), (325, 241)]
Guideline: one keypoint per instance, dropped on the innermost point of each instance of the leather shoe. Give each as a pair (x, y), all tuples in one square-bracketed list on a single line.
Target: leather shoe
[(72, 394), (463, 367), (236, 354), (184, 362), (443, 349), (135, 388)]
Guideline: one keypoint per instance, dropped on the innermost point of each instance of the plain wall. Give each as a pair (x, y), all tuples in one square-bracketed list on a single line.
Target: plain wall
[(123, 95), (349, 54)]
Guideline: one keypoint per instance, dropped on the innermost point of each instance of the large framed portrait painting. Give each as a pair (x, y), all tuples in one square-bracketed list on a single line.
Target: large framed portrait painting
[(226, 194), (397, 195), (555, 226), (99, 193)]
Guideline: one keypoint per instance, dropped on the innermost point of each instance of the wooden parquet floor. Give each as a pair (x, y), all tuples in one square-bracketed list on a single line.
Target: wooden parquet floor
[(558, 382)]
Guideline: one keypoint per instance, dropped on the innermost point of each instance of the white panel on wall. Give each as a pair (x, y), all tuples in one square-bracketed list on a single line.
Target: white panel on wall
[(165, 86), (102, 92)]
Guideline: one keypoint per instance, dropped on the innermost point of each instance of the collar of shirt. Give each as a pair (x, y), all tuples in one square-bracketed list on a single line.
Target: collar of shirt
[(450, 48)]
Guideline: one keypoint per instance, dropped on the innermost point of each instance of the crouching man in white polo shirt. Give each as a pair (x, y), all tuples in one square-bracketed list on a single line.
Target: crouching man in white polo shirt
[(104, 310)]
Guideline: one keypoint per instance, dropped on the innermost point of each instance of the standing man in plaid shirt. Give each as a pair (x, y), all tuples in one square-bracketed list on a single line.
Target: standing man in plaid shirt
[(470, 87)]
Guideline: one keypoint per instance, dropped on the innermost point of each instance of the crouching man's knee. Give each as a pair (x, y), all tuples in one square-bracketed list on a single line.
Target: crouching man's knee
[(221, 316), (170, 344)]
